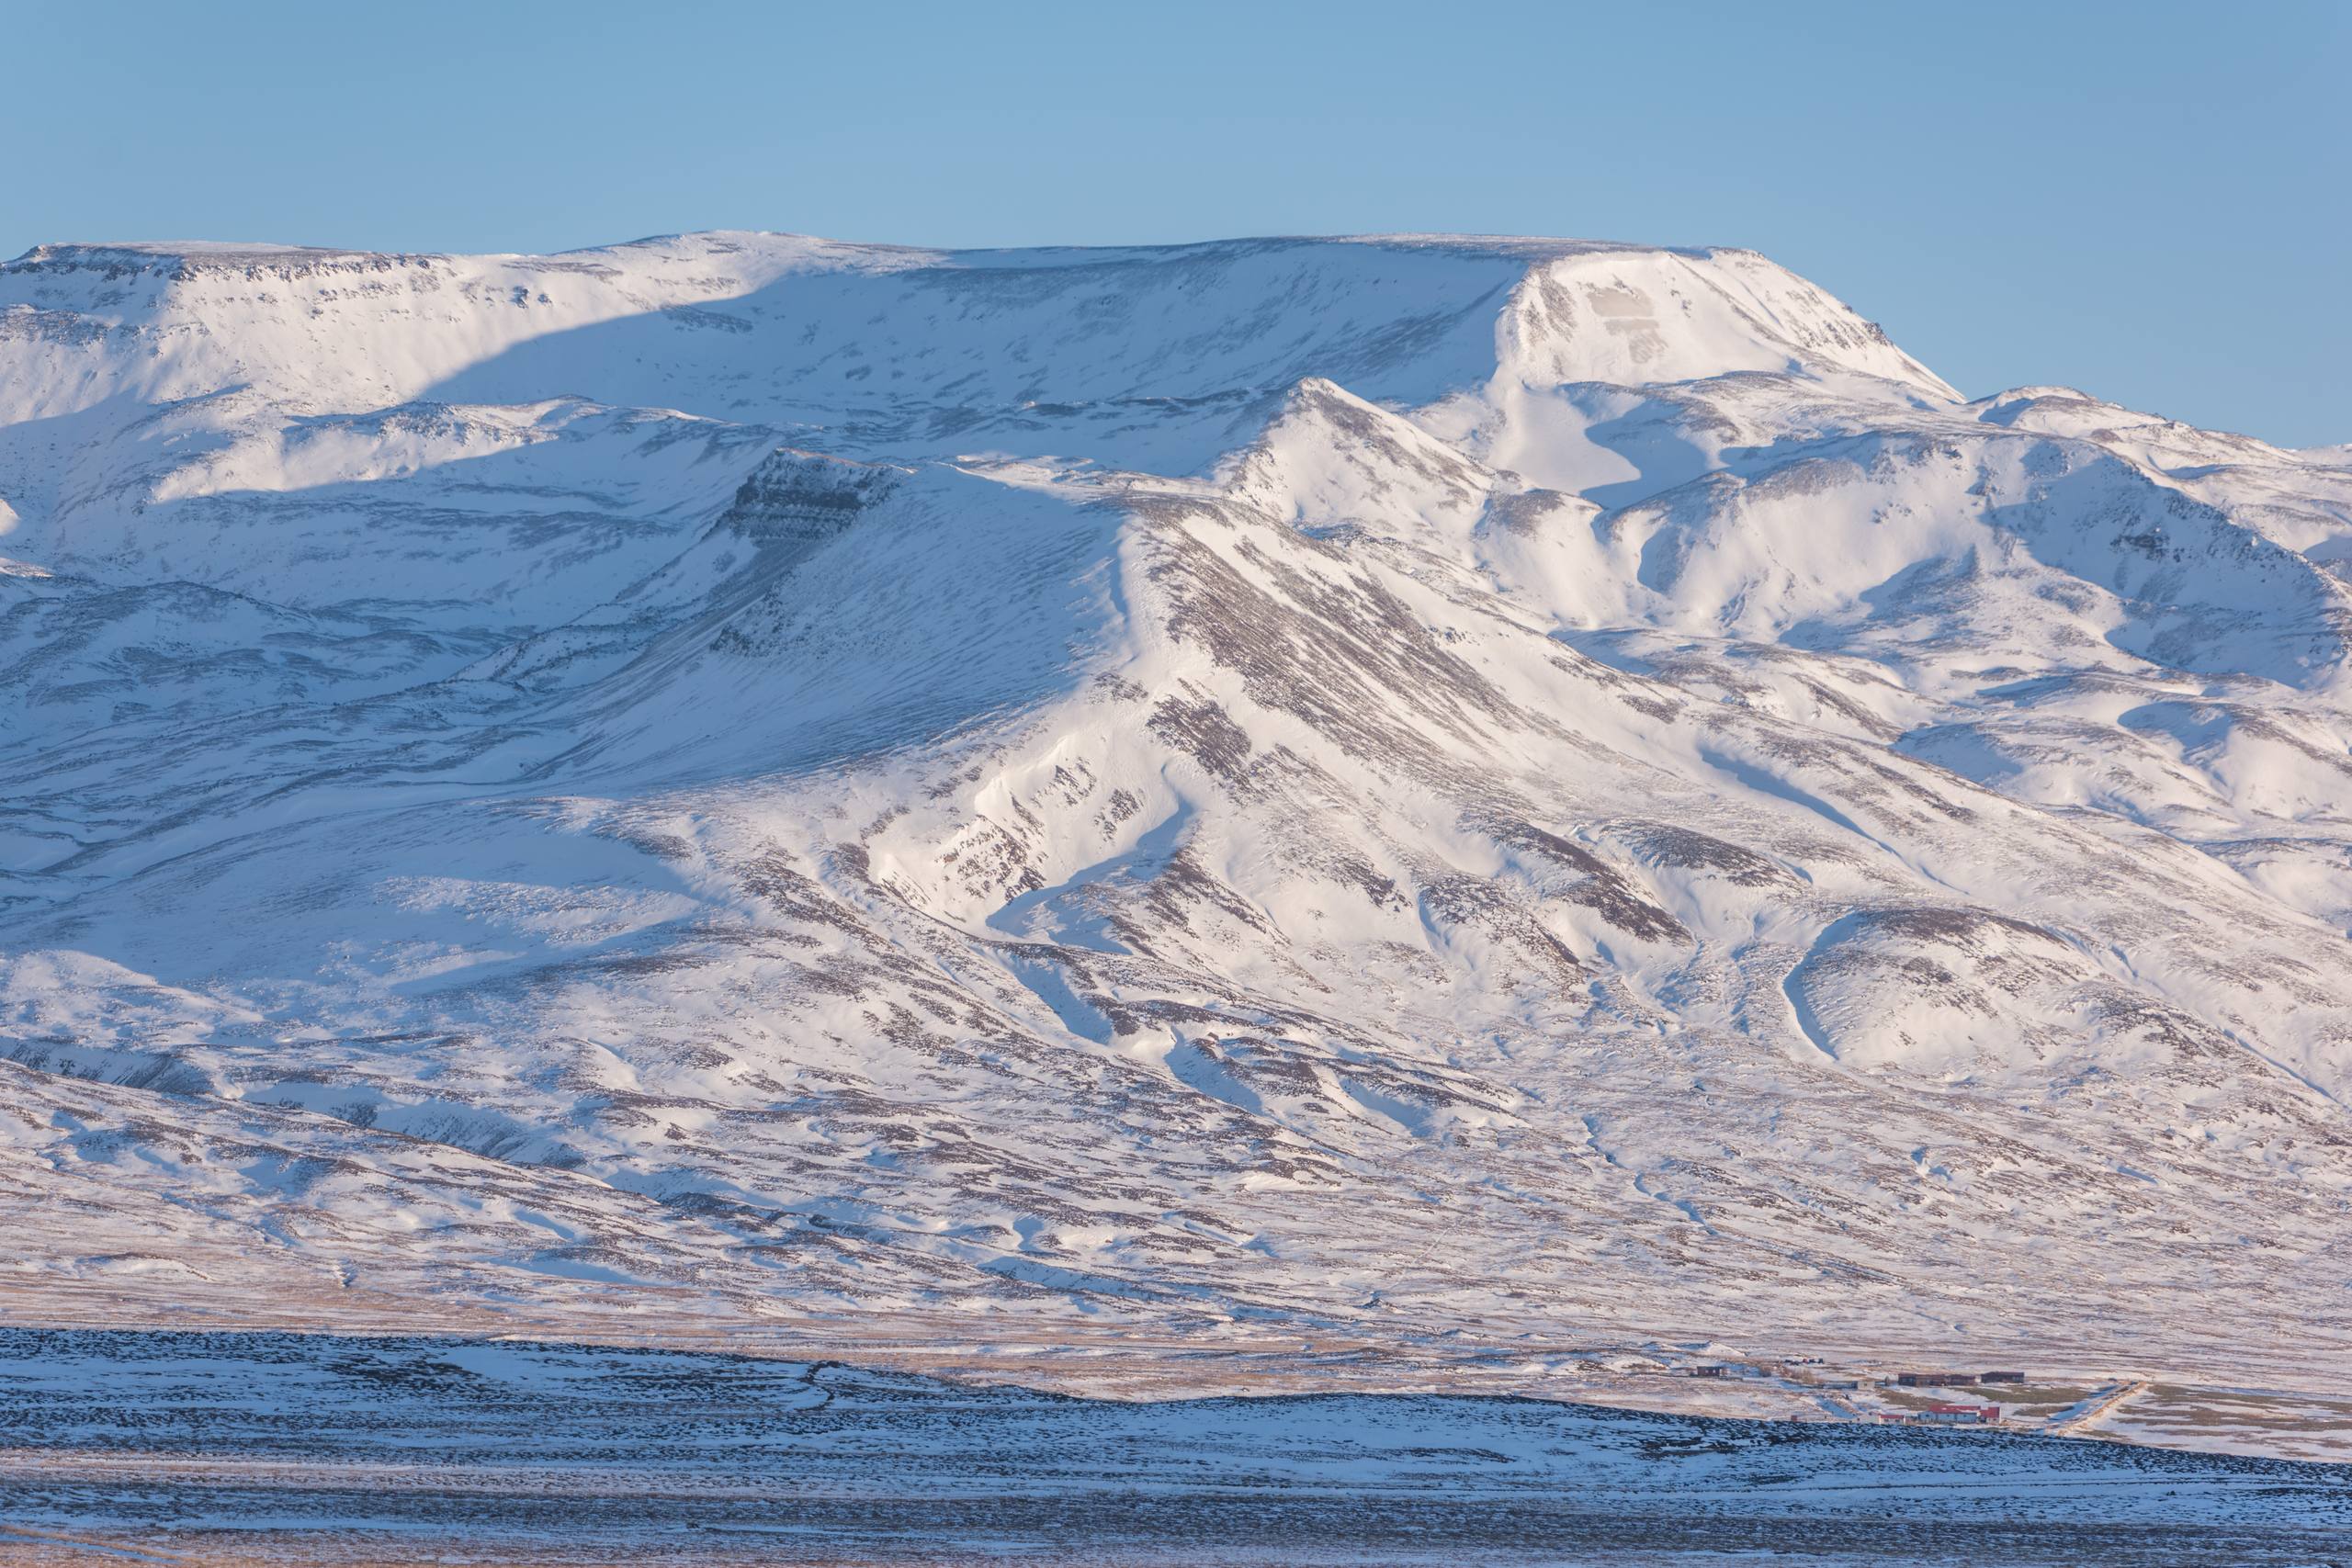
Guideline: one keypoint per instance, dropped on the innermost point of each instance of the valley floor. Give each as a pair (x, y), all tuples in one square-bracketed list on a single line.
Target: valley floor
[(166, 1447)]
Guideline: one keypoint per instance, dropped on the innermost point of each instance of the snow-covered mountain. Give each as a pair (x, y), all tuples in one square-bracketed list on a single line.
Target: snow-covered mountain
[(1396, 788)]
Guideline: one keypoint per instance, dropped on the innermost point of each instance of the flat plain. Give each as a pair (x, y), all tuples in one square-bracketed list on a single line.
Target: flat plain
[(270, 1448)]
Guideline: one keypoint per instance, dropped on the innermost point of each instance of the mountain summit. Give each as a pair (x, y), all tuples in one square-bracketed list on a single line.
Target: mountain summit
[(1394, 787)]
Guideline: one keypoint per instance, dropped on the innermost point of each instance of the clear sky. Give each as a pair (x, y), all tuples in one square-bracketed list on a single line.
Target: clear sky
[(2147, 200)]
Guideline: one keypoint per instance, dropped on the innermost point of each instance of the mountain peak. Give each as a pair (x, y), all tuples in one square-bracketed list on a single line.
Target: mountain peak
[(750, 775)]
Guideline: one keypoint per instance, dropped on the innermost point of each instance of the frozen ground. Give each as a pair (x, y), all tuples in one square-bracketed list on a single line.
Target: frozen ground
[(275, 1449)]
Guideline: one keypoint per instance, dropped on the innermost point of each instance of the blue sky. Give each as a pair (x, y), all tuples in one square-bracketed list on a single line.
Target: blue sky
[(2146, 200)]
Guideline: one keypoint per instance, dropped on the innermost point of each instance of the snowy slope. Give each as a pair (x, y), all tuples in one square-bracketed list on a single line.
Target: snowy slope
[(1407, 785)]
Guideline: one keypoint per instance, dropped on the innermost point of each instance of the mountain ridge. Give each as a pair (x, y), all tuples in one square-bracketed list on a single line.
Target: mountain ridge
[(1367, 786)]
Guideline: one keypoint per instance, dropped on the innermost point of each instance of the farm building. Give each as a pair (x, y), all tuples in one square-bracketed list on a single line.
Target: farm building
[(1961, 1414), (1934, 1379)]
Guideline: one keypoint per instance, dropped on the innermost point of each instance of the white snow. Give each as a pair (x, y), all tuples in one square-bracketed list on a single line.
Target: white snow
[(1406, 785)]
